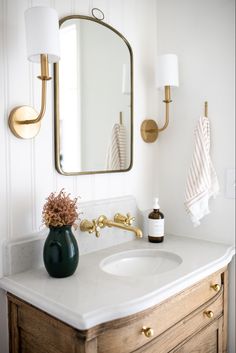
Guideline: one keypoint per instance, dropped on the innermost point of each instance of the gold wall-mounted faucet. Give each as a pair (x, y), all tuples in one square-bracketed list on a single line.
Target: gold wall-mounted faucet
[(120, 221), (90, 227), (127, 220)]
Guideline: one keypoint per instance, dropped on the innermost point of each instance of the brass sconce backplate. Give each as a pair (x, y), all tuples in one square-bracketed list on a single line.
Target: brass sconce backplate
[(149, 130), (20, 114)]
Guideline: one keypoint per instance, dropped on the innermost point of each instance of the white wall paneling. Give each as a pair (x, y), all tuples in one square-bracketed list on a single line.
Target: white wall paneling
[(201, 33), (27, 170), (4, 170), (82, 7)]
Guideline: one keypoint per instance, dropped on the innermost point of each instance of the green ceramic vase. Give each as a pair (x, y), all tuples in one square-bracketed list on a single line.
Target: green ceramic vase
[(61, 253)]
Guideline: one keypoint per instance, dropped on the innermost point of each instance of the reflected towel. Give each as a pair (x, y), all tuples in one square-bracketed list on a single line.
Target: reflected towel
[(202, 182), (116, 154)]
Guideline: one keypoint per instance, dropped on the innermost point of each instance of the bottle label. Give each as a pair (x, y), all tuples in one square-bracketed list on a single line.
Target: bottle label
[(156, 227)]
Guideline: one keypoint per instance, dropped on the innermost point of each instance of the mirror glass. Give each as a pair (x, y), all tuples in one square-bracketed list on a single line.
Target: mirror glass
[(93, 98)]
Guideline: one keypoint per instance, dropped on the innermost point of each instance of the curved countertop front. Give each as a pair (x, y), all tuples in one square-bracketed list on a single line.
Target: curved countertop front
[(91, 296)]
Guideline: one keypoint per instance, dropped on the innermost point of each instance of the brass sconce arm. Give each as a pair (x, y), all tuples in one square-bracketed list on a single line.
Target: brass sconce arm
[(149, 128), (44, 77), (167, 102), (24, 121)]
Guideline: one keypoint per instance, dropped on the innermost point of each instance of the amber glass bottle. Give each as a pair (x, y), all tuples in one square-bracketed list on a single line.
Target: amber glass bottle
[(156, 224)]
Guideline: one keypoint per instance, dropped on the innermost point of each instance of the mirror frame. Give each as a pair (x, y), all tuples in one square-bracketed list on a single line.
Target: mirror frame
[(57, 109)]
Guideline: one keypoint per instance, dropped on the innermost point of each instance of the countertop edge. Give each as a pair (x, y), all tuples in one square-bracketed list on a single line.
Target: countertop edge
[(95, 318)]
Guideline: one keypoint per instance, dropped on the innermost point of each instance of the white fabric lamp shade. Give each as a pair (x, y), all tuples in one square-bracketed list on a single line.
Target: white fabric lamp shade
[(167, 73), (42, 34)]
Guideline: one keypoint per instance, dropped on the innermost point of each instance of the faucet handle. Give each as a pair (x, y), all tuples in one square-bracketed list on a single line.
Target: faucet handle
[(93, 226), (127, 220), (90, 227), (130, 219), (87, 226), (96, 228)]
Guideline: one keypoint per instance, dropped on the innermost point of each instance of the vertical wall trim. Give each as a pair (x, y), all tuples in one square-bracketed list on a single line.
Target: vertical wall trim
[(108, 13), (73, 6), (73, 11), (123, 17), (90, 7), (7, 132), (54, 174), (32, 147), (33, 183)]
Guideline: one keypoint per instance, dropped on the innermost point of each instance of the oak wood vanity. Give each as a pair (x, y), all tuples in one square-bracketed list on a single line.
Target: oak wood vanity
[(192, 321)]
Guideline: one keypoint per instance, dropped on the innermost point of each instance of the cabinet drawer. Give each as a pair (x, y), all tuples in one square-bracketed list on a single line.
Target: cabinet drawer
[(207, 340), (186, 329), (127, 337)]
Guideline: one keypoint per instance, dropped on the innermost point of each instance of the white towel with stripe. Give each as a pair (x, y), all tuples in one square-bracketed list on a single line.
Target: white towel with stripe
[(116, 153), (202, 182)]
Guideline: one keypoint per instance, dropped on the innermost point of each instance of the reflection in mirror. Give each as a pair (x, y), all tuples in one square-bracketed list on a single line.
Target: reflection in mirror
[(93, 98)]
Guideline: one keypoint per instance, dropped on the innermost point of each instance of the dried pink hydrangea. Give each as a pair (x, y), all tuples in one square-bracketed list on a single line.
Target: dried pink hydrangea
[(60, 210)]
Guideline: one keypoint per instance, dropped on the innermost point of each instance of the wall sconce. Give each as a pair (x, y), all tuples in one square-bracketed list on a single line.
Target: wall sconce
[(167, 75), (42, 37)]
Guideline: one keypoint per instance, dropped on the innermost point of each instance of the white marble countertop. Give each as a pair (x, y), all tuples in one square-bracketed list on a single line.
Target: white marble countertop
[(91, 296)]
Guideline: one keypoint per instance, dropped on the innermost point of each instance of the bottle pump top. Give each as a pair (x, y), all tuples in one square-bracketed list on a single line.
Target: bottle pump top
[(156, 204)]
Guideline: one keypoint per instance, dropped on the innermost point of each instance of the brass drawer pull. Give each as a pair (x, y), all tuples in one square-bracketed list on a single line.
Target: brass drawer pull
[(209, 314), (148, 331), (216, 287)]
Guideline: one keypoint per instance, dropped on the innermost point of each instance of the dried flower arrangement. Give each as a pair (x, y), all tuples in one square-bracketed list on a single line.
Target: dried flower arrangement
[(60, 210)]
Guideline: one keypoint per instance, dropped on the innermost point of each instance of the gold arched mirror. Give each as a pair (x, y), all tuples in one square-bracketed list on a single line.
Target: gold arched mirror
[(93, 99)]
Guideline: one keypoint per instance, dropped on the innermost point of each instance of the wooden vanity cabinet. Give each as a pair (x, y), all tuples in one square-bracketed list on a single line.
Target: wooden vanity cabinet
[(193, 321), (208, 340)]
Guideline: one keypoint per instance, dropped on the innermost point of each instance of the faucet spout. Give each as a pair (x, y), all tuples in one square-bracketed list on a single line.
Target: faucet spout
[(120, 221), (104, 222)]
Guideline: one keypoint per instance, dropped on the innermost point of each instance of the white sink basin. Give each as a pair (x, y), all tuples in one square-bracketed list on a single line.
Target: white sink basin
[(145, 262)]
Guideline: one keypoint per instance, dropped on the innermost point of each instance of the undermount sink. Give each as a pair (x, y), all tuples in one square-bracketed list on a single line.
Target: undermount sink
[(145, 262)]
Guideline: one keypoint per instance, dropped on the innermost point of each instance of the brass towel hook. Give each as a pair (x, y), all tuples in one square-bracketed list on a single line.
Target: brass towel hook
[(206, 109), (121, 118)]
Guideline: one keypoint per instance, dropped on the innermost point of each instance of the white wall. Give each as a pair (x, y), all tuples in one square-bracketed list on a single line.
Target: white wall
[(27, 171), (201, 33)]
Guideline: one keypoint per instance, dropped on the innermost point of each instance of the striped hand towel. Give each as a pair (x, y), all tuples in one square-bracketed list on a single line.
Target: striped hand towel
[(116, 154), (202, 182)]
